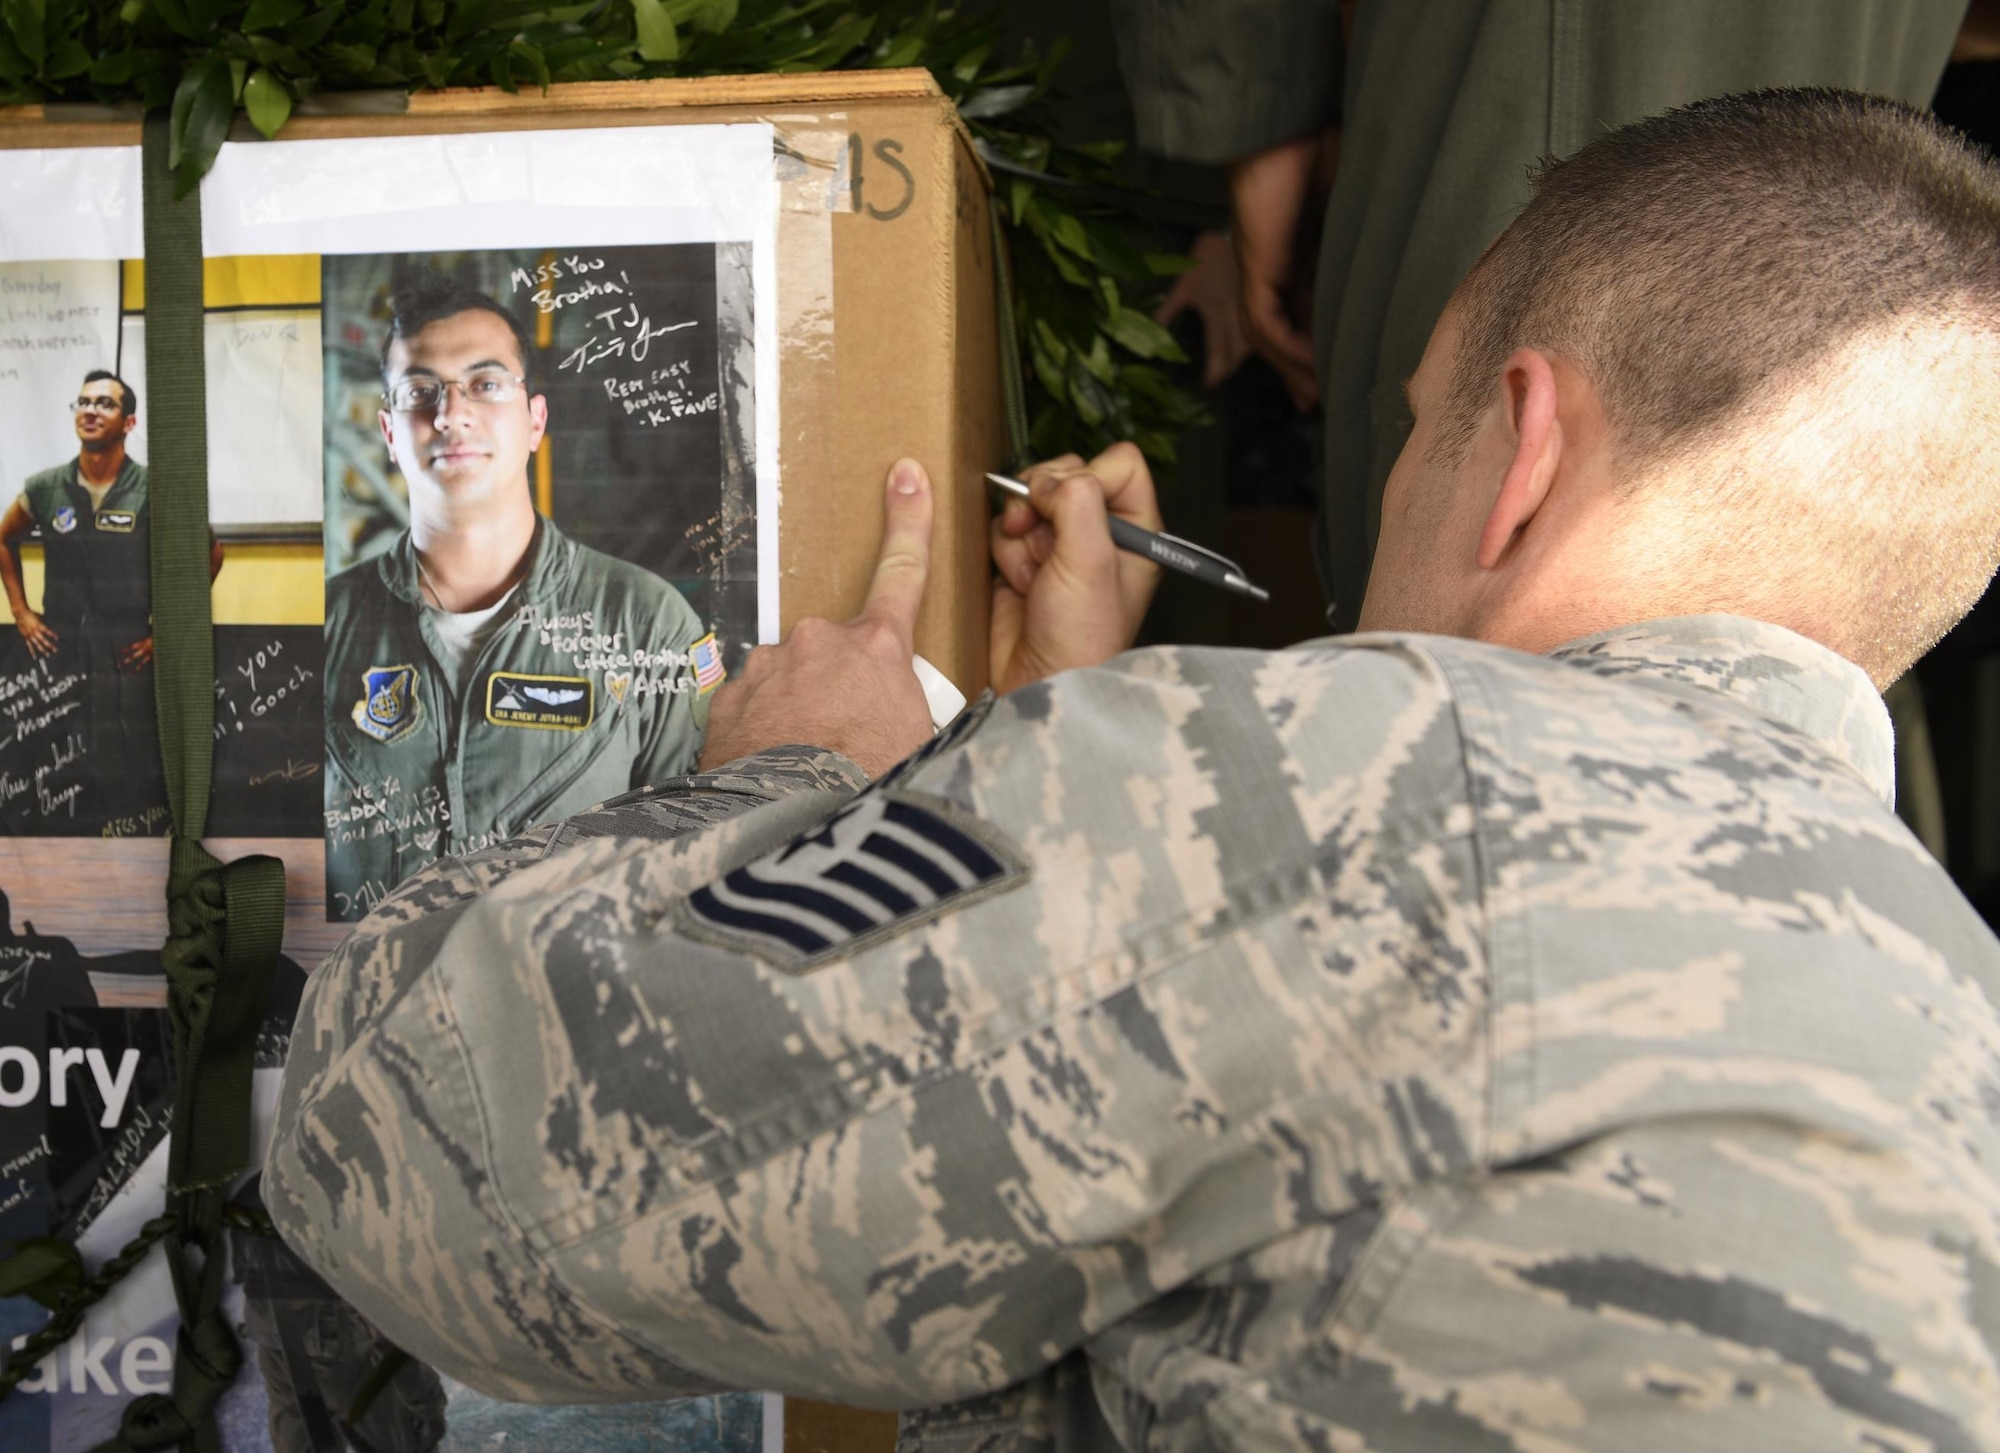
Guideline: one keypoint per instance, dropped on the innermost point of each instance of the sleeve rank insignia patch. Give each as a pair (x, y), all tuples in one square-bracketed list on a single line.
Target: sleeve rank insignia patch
[(880, 865), (388, 709)]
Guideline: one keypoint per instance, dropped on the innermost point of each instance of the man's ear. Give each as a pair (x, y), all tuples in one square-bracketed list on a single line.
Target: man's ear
[(388, 422), (1528, 394), (538, 418)]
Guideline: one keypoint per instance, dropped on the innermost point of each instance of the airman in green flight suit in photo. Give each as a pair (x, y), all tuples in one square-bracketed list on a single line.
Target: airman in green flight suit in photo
[(485, 672), (93, 635)]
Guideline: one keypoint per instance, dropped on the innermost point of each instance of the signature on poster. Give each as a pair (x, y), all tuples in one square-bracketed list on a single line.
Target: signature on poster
[(17, 962), (33, 700), (30, 307), (139, 824), (576, 269), (246, 333), (15, 1168), (712, 538), (619, 333), (660, 397), (268, 676), (133, 1145), (33, 707), (49, 798), (383, 809)]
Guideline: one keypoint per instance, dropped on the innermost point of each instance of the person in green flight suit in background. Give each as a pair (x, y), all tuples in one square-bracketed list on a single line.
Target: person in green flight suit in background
[(96, 620), (485, 672), (1429, 117)]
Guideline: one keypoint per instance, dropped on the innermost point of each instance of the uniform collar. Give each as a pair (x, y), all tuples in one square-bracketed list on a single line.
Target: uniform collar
[(550, 557), (1774, 672), (128, 473)]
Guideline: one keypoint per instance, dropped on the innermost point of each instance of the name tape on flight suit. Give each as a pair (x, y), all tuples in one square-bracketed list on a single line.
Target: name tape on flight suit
[(119, 522), (553, 703)]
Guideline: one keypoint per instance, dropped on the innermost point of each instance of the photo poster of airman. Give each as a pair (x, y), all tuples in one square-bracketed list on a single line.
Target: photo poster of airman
[(586, 415), (679, 489)]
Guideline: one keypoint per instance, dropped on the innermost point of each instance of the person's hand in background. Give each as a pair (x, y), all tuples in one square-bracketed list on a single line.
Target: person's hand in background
[(1274, 201), (1212, 290)]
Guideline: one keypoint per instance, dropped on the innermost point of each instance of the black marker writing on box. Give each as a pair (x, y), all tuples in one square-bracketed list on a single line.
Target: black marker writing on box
[(1163, 549)]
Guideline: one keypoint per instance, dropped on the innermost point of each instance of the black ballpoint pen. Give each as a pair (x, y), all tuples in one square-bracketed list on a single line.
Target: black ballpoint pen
[(1168, 550)]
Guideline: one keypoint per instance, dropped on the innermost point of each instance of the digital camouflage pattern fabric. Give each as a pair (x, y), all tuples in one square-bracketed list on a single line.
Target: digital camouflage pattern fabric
[(1393, 1043)]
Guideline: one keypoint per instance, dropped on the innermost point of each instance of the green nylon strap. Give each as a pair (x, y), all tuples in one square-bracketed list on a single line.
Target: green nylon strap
[(1013, 389), (177, 469), (225, 925)]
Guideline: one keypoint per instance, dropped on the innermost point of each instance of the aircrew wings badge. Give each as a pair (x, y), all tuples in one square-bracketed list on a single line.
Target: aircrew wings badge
[(881, 865), (388, 709)]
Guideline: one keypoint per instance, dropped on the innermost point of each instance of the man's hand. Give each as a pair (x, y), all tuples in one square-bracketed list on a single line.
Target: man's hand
[(1064, 595), (847, 687), (1213, 289), (40, 637), (137, 656), (1270, 196)]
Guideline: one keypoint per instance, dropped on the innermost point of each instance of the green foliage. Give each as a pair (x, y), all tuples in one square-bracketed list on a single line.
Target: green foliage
[(1095, 357)]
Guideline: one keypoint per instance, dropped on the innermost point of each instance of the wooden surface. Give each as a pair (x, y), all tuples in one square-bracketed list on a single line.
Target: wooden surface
[(791, 88), (812, 1427)]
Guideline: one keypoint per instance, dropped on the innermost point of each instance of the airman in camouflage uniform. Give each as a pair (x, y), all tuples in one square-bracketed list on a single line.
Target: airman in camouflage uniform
[(1400, 1042)]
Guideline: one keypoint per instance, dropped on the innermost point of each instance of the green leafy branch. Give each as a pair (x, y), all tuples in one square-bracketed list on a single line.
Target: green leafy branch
[(1096, 359)]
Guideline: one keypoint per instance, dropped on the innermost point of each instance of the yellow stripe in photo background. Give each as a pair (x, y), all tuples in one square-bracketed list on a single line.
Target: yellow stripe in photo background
[(290, 281), (268, 584), (262, 584)]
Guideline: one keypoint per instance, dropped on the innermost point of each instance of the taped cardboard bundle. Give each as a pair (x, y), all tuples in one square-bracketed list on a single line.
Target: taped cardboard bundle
[(649, 347)]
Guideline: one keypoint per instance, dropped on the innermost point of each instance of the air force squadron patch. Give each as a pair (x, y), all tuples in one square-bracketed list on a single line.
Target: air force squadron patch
[(882, 864), (388, 709)]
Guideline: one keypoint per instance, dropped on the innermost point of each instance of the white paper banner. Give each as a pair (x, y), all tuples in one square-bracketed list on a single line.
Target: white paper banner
[(80, 203)]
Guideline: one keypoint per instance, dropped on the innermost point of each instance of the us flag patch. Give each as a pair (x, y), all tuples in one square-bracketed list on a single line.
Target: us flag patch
[(882, 864), (707, 659)]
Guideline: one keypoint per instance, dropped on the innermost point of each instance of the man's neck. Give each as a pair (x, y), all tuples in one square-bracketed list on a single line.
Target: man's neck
[(101, 466), (470, 561)]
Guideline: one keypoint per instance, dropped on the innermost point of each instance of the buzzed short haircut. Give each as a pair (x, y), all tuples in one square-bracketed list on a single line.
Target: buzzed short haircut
[(128, 400), (428, 295), (1692, 263)]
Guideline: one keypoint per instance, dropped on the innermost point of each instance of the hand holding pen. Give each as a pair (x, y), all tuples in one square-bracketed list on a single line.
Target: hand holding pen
[(1197, 562), (1065, 595)]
